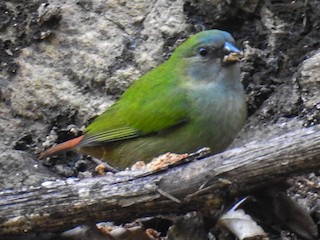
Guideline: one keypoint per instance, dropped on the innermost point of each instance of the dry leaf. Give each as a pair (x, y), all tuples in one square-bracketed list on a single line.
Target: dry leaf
[(131, 233), (138, 165), (294, 216), (101, 169), (165, 160), (241, 224)]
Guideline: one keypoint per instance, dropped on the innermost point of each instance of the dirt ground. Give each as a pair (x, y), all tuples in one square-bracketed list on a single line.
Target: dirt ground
[(62, 63)]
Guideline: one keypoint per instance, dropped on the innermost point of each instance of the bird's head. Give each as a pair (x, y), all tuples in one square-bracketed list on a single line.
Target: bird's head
[(209, 56)]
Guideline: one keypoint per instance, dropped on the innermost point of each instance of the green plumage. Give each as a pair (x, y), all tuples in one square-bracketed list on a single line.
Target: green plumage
[(193, 100)]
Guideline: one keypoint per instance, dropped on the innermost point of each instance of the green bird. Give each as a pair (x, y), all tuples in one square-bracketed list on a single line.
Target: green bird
[(193, 100)]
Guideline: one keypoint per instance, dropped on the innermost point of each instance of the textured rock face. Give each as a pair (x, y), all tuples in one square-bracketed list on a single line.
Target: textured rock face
[(309, 82), (89, 54)]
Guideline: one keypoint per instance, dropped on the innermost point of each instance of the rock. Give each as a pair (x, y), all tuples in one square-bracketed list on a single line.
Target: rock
[(309, 82), (18, 169)]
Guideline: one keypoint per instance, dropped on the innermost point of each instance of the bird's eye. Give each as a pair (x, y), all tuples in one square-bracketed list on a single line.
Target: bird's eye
[(203, 51)]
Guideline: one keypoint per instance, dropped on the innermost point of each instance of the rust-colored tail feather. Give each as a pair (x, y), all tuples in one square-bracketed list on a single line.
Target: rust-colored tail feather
[(65, 146)]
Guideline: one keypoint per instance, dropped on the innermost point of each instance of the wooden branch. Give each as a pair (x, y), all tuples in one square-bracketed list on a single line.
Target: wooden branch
[(59, 205)]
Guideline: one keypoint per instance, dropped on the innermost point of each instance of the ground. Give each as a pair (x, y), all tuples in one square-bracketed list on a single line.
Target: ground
[(62, 63)]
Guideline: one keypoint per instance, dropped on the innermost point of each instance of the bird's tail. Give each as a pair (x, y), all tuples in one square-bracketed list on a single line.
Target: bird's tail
[(65, 146)]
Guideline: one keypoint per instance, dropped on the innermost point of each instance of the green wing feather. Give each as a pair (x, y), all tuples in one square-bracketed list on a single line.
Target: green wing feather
[(152, 104)]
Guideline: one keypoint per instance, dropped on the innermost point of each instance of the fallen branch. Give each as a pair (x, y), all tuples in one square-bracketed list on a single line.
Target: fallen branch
[(59, 205)]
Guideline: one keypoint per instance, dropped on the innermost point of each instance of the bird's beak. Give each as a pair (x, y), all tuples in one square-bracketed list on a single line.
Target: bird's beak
[(233, 54)]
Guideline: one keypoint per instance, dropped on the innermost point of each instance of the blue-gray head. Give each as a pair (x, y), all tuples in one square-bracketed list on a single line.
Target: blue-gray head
[(209, 56)]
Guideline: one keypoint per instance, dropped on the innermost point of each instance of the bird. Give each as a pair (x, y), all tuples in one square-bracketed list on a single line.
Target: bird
[(194, 99)]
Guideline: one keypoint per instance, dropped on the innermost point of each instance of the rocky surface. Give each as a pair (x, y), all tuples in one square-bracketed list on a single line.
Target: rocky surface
[(63, 62)]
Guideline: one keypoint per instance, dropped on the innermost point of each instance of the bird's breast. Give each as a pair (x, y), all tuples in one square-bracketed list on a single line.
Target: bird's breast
[(220, 111)]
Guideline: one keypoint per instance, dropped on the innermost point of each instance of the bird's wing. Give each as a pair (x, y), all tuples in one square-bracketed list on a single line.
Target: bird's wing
[(151, 105)]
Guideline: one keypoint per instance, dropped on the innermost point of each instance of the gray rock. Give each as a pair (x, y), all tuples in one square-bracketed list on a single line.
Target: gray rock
[(18, 169)]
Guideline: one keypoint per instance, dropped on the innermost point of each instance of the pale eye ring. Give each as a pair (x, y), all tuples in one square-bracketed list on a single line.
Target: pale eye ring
[(203, 51)]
